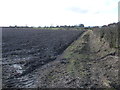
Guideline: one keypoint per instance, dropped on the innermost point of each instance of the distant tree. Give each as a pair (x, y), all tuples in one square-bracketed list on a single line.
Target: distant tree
[(57, 26), (51, 26), (88, 27), (104, 26), (81, 25), (11, 26), (15, 26), (65, 26), (112, 24), (39, 26), (95, 27)]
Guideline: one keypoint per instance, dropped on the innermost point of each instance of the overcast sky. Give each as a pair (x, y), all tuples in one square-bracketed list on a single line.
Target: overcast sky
[(58, 12)]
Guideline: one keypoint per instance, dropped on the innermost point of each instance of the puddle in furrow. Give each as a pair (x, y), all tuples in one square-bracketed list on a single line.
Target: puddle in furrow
[(18, 68), (26, 81)]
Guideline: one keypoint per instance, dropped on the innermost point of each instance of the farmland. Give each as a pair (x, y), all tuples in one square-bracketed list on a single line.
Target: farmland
[(24, 50), (61, 58)]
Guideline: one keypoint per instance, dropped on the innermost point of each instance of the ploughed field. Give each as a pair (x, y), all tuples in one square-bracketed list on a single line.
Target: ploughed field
[(26, 49)]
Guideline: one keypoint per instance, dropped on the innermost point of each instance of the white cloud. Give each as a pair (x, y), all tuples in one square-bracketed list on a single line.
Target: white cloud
[(58, 12)]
